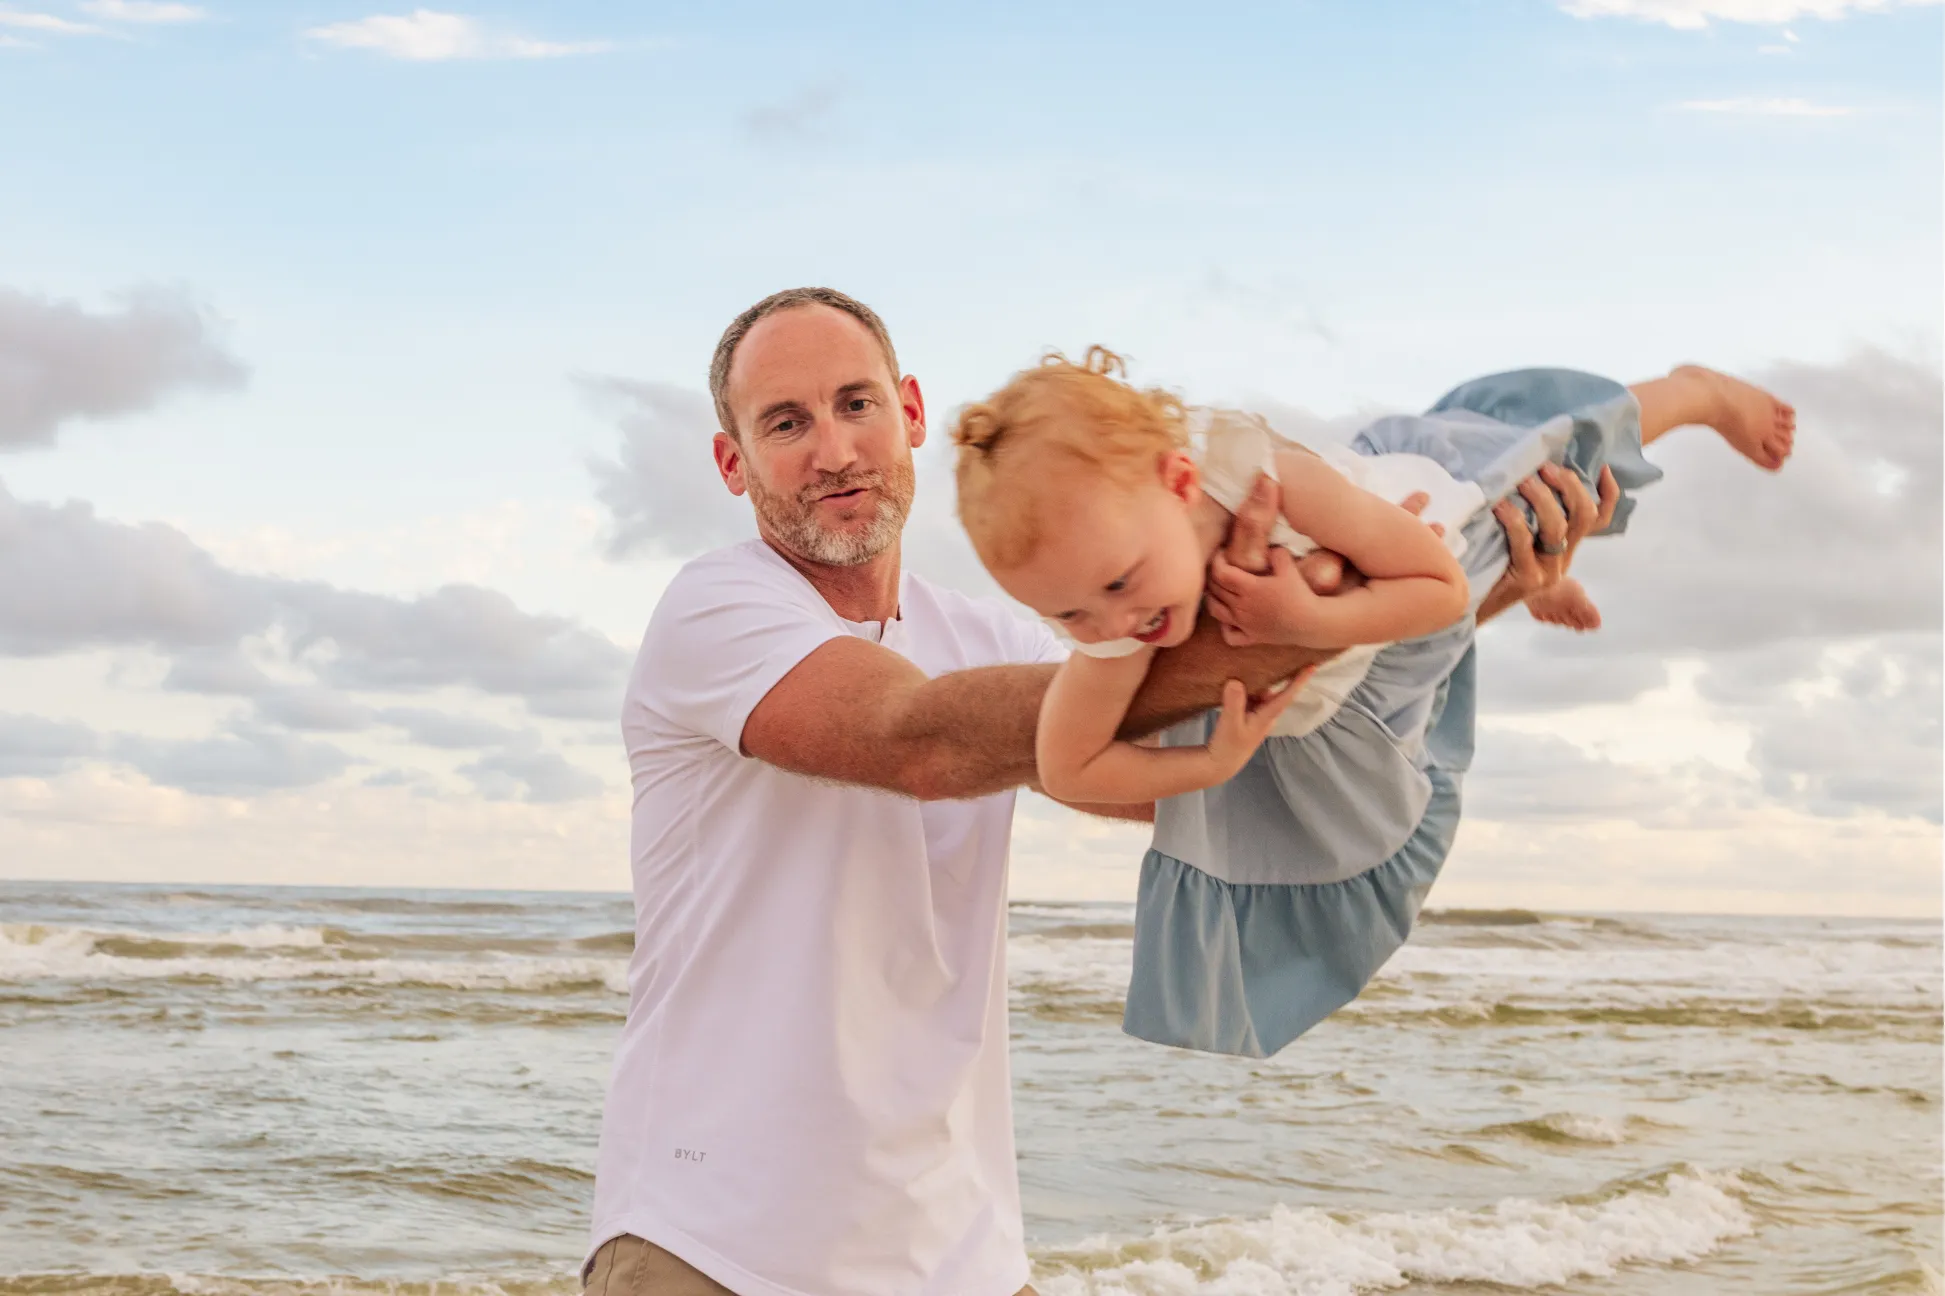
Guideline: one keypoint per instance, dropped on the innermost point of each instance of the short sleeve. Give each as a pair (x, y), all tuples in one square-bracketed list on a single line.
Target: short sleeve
[(1040, 644), (727, 629)]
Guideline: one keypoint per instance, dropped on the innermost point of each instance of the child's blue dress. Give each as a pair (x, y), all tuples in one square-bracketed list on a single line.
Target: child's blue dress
[(1270, 901)]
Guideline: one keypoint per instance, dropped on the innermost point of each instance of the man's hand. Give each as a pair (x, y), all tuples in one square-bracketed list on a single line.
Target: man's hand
[(1248, 545), (1566, 513)]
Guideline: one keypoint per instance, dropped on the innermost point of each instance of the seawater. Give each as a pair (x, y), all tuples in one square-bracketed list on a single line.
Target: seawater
[(262, 1090)]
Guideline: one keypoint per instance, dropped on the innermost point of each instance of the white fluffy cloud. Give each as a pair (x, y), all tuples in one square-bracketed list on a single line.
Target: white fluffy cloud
[(33, 747), (71, 580), (661, 491), (1692, 15), (45, 24), (144, 12), (428, 36), (60, 361)]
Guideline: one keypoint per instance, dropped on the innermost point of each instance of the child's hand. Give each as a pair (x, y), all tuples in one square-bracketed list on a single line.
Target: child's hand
[(1243, 724), (1272, 608)]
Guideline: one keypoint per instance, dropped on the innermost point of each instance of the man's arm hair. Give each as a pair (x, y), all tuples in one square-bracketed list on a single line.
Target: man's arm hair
[(855, 712), (1187, 680)]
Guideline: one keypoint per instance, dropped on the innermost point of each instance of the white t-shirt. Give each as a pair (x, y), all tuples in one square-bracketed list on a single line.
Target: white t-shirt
[(812, 1095)]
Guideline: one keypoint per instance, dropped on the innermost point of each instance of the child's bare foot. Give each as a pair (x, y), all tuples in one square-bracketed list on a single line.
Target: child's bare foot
[(1759, 427), (1566, 604)]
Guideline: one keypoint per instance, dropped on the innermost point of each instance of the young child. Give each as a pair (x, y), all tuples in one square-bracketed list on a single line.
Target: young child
[(1281, 878)]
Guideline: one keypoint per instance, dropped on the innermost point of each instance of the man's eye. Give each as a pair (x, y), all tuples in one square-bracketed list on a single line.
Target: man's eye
[(858, 404), (784, 425)]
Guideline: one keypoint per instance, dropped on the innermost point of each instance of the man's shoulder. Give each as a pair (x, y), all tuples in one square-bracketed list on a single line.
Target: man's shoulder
[(750, 558), (738, 572)]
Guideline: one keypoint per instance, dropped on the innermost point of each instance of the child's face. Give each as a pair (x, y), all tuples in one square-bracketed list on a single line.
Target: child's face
[(1118, 562)]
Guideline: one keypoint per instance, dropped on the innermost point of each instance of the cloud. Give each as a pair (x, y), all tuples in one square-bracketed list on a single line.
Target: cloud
[(444, 729), (1767, 107), (241, 763), (797, 120), (428, 36), (59, 361), (662, 493), (1541, 777), (32, 747), (221, 672), (537, 777), (103, 822), (1694, 15), (310, 709), (1840, 730), (70, 580), (461, 635), (1531, 669), (144, 12), (22, 20)]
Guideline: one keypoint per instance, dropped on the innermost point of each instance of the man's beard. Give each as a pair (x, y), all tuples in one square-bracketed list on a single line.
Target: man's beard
[(792, 519)]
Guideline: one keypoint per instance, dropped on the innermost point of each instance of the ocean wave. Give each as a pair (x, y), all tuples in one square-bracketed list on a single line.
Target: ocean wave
[(1480, 917), (1562, 1128), (1669, 1219), (147, 944), (77, 954)]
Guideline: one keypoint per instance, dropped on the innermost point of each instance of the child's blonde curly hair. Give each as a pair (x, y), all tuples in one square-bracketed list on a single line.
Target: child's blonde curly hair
[(1058, 413)]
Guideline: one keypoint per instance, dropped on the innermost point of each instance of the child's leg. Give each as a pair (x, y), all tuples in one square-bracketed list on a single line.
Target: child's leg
[(1759, 427), (1756, 425)]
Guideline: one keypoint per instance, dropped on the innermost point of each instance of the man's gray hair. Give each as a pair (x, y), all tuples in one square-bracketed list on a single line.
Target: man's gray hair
[(788, 299)]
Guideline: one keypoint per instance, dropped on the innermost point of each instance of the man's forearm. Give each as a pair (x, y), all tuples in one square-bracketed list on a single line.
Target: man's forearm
[(970, 733), (1187, 680)]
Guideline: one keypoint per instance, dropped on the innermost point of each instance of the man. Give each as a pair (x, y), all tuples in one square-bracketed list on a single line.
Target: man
[(811, 1095)]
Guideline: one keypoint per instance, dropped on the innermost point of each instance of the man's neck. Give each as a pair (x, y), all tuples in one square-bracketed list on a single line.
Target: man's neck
[(865, 592)]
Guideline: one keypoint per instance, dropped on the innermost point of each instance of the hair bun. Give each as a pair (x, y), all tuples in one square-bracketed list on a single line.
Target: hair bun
[(977, 429)]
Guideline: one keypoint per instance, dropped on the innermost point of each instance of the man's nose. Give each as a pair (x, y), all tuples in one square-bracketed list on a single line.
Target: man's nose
[(833, 448)]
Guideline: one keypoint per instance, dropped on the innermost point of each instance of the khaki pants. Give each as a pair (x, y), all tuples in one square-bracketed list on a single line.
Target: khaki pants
[(628, 1266)]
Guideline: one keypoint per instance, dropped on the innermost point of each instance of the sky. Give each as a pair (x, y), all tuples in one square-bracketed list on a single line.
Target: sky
[(352, 367)]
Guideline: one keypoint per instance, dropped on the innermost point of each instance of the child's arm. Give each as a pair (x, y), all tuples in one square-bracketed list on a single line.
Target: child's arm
[(1080, 760), (1412, 585)]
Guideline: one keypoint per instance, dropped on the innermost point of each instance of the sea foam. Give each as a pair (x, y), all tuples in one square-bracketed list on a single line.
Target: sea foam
[(1682, 1216)]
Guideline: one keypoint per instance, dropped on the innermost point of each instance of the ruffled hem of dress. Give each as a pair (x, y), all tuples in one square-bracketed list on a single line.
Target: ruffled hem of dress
[(1244, 969)]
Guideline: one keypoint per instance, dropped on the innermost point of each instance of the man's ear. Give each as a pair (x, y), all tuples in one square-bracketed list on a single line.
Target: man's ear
[(729, 462), (912, 401), (1180, 476)]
